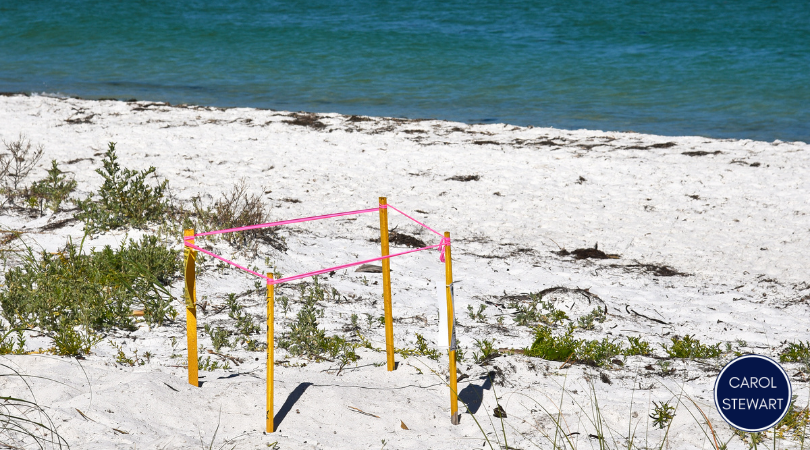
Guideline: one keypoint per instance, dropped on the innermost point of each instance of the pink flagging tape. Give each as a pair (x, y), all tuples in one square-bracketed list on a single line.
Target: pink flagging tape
[(445, 242), (308, 274), (441, 245), (318, 272), (223, 259), (282, 222), (420, 223)]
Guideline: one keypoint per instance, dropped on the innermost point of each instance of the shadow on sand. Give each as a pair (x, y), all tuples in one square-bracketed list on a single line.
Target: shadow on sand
[(473, 395), (287, 406)]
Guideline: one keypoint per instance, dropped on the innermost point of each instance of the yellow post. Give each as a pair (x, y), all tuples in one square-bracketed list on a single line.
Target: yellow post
[(448, 276), (386, 273), (189, 260), (270, 353)]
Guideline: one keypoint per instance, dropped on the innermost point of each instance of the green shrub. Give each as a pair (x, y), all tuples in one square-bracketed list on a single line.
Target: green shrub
[(234, 209), (487, 350), (796, 352), (638, 347), (547, 346), (306, 339), (477, 316), (208, 365), (688, 347), (586, 322), (7, 345), (122, 358), (67, 341), (537, 311), (125, 198), (598, 352), (662, 414), (58, 292), (424, 349), (246, 326), (15, 166), (52, 190), (567, 348), (219, 338)]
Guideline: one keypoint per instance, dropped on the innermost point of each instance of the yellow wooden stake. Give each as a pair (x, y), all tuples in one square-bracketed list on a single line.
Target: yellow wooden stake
[(189, 260), (386, 273), (270, 352), (448, 277)]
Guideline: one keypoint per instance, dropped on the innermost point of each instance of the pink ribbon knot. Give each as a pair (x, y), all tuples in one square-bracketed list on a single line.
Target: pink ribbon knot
[(444, 243)]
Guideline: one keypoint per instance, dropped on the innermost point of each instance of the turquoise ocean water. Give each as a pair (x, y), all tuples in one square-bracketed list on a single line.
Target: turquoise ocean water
[(734, 69)]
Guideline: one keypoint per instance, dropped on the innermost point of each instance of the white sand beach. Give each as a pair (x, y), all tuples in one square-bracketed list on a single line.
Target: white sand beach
[(710, 239)]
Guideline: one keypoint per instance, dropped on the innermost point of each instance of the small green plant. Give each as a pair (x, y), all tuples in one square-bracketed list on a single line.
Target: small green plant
[(739, 348), (553, 348), (354, 324), (51, 191), (599, 353), (125, 197), (70, 342), (244, 321), (565, 347), (246, 326), (586, 322), (306, 339), (477, 316), (554, 316), (234, 308), (219, 338), (122, 358), (208, 364), (537, 311), (796, 352), (253, 345), (487, 350), (665, 366), (7, 344), (342, 351), (423, 348), (285, 304), (638, 347), (689, 347), (15, 166), (662, 414)]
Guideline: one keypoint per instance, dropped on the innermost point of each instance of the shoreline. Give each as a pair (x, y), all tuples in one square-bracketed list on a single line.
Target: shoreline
[(416, 119)]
